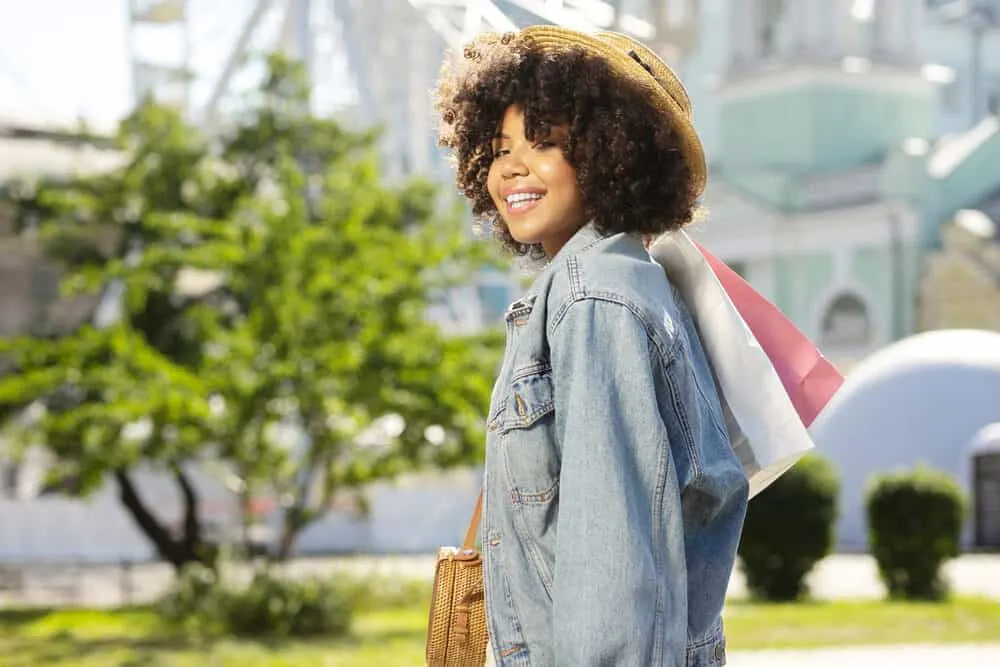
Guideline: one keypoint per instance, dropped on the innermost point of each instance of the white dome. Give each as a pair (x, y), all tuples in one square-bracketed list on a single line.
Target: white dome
[(921, 400), (986, 440)]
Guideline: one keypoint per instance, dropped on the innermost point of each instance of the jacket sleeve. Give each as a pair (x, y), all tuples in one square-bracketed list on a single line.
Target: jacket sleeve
[(620, 586)]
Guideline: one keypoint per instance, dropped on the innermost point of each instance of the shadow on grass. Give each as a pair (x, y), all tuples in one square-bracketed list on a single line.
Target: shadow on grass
[(131, 637), (61, 648), (11, 617), (376, 637), (28, 615)]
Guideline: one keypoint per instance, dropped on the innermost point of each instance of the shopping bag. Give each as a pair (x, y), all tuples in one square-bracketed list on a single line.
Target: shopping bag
[(772, 380), (808, 377)]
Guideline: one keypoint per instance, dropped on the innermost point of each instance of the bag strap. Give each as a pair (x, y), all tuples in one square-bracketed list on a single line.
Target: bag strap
[(470, 534)]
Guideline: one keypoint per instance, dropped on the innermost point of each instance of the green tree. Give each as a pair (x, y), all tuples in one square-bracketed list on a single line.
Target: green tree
[(271, 283)]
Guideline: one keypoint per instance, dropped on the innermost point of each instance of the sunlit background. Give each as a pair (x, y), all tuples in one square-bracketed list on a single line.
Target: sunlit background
[(855, 181)]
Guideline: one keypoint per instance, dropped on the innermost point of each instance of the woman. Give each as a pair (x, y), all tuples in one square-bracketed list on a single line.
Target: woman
[(613, 500)]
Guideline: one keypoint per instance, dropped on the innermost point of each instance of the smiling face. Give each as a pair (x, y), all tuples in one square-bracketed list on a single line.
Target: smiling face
[(533, 186)]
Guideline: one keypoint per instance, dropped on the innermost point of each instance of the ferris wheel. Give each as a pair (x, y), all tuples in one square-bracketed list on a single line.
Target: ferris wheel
[(372, 60)]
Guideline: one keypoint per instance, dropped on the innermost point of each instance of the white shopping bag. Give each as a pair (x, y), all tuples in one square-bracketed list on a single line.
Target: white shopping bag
[(772, 379)]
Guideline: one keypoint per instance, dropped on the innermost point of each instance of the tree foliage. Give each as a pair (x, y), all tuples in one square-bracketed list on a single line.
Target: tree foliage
[(273, 294)]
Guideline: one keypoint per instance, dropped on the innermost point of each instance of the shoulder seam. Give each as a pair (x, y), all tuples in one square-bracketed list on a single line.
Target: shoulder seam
[(667, 352)]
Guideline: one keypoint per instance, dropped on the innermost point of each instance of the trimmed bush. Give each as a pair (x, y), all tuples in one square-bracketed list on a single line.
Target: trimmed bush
[(196, 603), (914, 527), (277, 607), (200, 604), (788, 529), (382, 592)]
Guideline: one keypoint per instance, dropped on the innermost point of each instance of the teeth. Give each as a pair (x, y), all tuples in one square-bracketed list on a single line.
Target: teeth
[(522, 198)]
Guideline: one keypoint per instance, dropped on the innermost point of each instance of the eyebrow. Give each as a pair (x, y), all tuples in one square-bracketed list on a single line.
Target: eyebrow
[(553, 129)]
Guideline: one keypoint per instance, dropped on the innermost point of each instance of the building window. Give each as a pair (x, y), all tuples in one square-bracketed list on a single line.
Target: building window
[(771, 13), (871, 15), (951, 96), (986, 499), (846, 324), (880, 36), (992, 95)]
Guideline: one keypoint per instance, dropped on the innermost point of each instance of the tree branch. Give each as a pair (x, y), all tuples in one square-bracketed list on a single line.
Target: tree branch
[(192, 526), (148, 524)]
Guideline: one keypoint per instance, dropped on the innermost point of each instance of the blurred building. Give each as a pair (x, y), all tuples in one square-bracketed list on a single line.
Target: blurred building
[(853, 146), (960, 286), (930, 399), (30, 297), (844, 136)]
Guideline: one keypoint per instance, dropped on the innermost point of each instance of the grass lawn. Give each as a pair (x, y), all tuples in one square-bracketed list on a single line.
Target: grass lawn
[(395, 637)]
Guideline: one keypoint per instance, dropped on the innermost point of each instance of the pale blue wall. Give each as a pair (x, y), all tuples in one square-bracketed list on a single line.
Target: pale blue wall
[(800, 282), (820, 126)]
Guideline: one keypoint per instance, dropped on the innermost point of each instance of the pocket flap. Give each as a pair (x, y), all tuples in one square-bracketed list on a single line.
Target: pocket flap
[(530, 398)]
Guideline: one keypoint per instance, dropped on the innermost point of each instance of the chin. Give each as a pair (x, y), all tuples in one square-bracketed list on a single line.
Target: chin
[(522, 235)]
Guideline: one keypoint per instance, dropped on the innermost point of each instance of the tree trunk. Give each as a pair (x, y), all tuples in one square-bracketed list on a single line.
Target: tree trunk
[(291, 526), (191, 541), (188, 548)]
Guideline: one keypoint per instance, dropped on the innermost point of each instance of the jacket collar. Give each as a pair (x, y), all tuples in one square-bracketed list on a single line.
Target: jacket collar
[(585, 237)]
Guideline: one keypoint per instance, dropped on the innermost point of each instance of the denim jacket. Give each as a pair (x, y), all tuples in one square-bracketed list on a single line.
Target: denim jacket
[(613, 499)]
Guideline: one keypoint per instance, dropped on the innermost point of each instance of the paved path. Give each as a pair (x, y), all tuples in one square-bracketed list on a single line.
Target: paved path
[(987, 655), (838, 577), (855, 576)]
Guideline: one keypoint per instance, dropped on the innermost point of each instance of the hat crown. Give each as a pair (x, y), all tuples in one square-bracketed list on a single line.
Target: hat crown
[(653, 64), (638, 63)]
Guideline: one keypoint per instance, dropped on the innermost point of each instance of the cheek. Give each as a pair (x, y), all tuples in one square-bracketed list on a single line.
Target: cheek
[(563, 177), (560, 174)]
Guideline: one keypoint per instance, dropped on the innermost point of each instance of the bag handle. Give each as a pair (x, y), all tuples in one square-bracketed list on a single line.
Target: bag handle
[(470, 534)]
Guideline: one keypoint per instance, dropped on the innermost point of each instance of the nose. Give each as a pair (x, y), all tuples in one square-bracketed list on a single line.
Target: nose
[(514, 166)]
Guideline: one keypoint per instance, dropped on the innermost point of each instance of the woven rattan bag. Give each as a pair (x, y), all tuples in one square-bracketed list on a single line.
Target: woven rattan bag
[(456, 631)]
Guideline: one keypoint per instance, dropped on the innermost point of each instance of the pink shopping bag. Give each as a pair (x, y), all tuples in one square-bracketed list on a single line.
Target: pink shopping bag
[(808, 377)]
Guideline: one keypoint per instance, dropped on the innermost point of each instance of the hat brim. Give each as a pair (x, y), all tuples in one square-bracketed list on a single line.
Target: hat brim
[(663, 91)]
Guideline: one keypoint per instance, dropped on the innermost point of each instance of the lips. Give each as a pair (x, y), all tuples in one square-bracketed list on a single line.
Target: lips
[(522, 200)]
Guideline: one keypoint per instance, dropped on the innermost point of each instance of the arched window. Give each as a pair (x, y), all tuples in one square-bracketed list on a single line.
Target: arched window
[(846, 323)]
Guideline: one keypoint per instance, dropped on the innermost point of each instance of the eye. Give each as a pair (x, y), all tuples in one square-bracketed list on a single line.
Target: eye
[(545, 144), (499, 153)]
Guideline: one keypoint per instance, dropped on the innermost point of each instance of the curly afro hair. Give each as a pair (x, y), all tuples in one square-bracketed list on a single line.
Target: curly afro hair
[(631, 175)]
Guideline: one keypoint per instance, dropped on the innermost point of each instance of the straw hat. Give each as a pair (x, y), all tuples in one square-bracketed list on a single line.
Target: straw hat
[(639, 64)]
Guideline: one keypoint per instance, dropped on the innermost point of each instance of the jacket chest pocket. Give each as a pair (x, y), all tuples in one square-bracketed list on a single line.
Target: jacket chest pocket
[(527, 437)]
